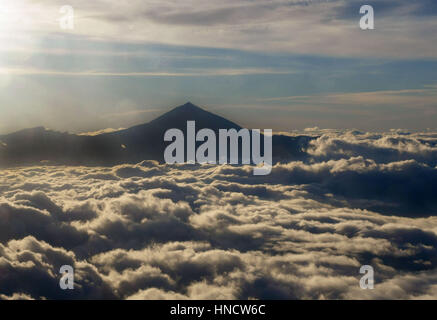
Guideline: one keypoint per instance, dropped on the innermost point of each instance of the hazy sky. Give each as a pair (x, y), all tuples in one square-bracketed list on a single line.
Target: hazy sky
[(269, 64)]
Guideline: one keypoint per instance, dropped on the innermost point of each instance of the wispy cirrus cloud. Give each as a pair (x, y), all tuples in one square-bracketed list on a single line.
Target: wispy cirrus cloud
[(304, 27), (188, 73)]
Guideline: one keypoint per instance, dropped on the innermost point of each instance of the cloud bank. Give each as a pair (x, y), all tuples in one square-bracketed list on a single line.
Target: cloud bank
[(150, 231)]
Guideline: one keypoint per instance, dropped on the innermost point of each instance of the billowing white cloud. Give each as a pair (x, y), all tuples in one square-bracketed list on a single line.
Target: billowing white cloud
[(151, 231)]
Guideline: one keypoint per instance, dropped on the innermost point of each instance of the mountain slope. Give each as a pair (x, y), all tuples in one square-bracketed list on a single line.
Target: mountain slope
[(141, 142), (146, 141)]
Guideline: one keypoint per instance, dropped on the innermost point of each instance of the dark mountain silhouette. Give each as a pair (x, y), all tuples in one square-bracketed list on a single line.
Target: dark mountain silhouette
[(132, 145)]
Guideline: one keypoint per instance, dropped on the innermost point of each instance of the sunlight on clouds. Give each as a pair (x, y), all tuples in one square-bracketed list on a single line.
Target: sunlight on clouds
[(315, 27), (151, 231)]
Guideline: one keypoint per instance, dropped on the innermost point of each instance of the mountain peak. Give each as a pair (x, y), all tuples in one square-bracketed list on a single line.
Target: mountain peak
[(187, 110), (188, 107), (178, 117)]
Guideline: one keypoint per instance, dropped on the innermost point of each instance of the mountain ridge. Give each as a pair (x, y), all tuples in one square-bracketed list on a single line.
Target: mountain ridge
[(141, 142)]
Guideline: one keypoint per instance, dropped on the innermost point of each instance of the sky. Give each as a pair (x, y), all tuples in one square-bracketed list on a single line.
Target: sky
[(284, 65)]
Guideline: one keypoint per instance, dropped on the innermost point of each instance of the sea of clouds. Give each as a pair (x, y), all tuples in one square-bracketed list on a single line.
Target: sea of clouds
[(151, 231)]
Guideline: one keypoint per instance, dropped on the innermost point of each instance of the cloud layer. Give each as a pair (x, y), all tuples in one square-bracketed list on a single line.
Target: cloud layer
[(298, 26), (151, 231)]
